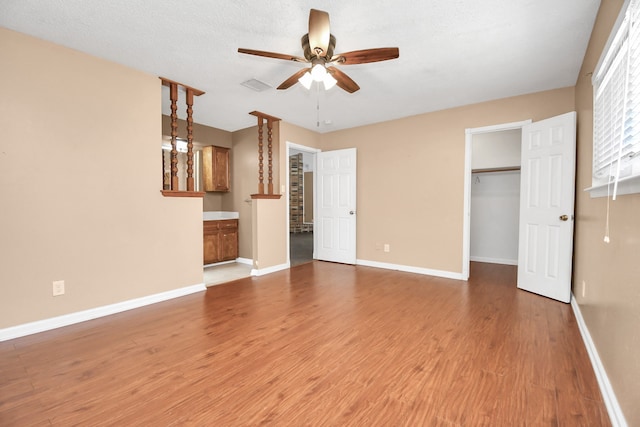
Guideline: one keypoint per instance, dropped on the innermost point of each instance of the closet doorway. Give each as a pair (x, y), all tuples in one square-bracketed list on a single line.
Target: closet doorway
[(492, 195), (301, 167)]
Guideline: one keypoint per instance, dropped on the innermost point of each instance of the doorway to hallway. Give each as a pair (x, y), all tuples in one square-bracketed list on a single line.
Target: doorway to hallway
[(301, 164)]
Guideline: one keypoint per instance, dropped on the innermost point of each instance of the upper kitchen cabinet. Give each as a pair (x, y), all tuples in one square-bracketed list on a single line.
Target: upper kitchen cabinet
[(216, 174)]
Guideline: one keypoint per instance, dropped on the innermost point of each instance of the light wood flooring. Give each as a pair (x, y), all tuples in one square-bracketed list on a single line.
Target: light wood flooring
[(321, 344)]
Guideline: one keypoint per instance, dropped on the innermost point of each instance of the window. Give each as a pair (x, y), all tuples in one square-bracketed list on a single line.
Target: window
[(616, 110)]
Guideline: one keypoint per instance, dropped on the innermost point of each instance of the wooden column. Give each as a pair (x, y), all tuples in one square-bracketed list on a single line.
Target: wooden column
[(270, 120), (173, 95), (190, 183), (260, 158), (270, 148), (163, 166)]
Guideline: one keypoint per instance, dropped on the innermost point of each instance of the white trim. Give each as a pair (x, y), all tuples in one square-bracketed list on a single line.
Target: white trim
[(269, 270), (93, 313), (246, 261), (498, 128), (466, 221), (628, 185), (289, 146), (494, 260), (410, 269), (299, 147), (613, 407)]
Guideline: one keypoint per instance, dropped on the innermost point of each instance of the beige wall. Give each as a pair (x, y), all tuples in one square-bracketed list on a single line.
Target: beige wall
[(297, 135), (244, 183), (411, 177), (496, 149), (81, 184), (269, 230), (607, 276), (205, 135)]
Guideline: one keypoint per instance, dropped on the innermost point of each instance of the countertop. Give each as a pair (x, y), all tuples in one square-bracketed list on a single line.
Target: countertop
[(218, 215)]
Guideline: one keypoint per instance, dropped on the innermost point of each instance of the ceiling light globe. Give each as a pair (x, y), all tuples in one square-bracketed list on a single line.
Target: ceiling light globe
[(306, 80), (318, 72), (329, 81)]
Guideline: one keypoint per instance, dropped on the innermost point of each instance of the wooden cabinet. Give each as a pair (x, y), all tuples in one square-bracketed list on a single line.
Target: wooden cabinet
[(216, 174), (220, 240)]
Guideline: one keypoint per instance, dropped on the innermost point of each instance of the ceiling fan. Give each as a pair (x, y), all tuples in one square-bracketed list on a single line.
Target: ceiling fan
[(318, 46)]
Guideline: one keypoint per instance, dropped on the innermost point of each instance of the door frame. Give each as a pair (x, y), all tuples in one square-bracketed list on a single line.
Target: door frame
[(466, 228), (293, 146)]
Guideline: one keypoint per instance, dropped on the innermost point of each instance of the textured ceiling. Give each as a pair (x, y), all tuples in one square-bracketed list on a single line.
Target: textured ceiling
[(452, 52)]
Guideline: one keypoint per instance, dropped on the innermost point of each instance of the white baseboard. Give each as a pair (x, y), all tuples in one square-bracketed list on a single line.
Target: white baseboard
[(494, 260), (246, 261), (93, 313), (268, 270), (214, 264), (409, 269), (609, 397)]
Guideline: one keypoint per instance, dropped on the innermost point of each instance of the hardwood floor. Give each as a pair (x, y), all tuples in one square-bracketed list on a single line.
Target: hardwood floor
[(320, 344)]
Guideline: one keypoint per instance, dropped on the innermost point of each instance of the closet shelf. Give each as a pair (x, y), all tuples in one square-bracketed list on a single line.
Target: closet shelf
[(505, 169)]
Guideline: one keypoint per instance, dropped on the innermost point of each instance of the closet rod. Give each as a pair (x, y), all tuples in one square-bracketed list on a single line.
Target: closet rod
[(505, 169)]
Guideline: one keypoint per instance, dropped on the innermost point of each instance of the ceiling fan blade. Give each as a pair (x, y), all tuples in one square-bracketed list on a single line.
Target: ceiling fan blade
[(293, 79), (343, 81), (366, 55), (319, 32), (272, 55)]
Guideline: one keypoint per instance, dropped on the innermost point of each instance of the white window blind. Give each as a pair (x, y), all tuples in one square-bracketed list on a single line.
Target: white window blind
[(616, 117)]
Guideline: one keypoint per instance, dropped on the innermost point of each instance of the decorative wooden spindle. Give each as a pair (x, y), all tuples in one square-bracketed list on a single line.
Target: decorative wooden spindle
[(173, 96), (260, 158), (190, 182), (163, 166), (270, 120), (270, 152)]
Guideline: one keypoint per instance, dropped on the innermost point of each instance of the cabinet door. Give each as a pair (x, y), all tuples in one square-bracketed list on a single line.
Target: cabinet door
[(221, 170), (211, 242), (228, 244), (216, 174), (228, 239)]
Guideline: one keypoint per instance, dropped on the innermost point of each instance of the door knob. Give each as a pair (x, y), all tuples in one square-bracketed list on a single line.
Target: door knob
[(564, 217), (351, 212)]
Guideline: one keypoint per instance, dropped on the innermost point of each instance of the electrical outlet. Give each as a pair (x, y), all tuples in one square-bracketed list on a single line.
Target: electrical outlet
[(387, 248), (58, 288)]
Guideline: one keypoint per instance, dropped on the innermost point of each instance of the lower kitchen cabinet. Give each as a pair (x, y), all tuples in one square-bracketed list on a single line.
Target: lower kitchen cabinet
[(220, 240)]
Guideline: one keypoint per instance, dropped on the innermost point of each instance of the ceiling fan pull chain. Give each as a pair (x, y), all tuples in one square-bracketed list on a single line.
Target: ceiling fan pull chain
[(318, 105)]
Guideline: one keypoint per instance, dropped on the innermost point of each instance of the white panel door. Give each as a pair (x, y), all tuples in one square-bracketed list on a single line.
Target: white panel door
[(547, 189), (335, 224)]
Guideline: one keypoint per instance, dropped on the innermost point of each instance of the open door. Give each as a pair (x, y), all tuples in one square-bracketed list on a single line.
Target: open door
[(547, 189), (335, 221)]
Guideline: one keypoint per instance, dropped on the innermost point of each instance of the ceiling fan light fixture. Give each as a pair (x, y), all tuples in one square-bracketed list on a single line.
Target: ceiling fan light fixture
[(306, 80), (329, 81), (318, 46)]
